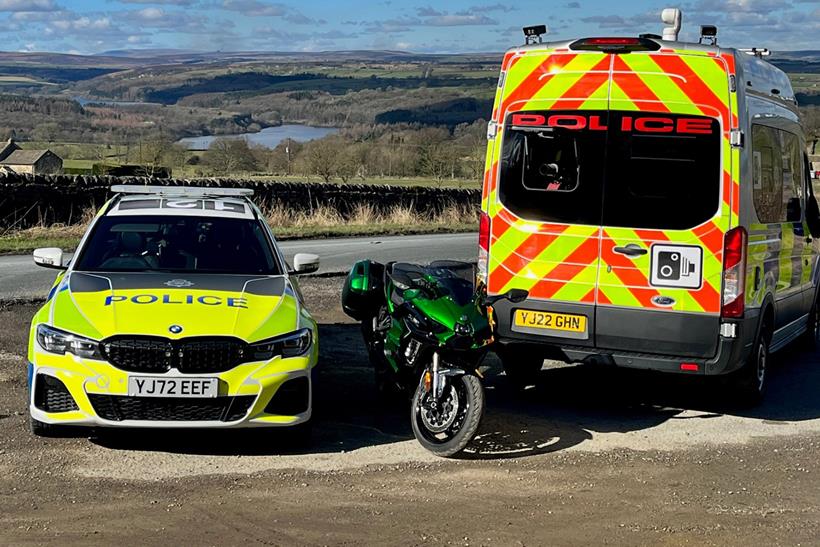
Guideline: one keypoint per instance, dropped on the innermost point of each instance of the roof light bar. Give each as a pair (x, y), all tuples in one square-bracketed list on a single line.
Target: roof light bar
[(186, 191)]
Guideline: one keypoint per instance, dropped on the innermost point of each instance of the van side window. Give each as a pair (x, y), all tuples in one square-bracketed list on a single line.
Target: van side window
[(793, 194), (768, 174), (778, 175)]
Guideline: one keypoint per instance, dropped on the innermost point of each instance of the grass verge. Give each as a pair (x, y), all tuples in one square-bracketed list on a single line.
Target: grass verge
[(320, 223)]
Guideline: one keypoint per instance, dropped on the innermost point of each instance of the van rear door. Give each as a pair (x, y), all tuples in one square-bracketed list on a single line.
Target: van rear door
[(666, 204), (543, 193)]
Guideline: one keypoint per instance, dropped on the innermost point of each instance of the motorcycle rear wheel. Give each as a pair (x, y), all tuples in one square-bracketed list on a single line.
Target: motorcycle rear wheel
[(440, 433)]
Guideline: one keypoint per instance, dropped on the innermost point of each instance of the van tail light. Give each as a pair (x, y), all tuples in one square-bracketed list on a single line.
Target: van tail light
[(734, 272), (483, 246)]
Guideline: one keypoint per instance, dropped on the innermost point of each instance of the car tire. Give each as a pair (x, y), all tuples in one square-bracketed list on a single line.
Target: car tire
[(300, 435), (520, 367), (748, 385), (41, 429)]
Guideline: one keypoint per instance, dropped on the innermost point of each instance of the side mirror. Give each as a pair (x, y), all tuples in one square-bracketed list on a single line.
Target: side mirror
[(304, 263), (517, 295), (49, 257), (513, 295)]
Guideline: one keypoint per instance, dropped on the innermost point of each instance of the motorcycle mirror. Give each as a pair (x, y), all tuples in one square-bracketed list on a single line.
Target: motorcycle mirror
[(516, 295), (513, 295)]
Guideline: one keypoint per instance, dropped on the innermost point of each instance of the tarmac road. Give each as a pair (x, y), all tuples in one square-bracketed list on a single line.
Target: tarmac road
[(20, 278)]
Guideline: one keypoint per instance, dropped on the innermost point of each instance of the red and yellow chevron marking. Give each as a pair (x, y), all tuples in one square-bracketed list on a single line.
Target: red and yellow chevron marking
[(576, 263)]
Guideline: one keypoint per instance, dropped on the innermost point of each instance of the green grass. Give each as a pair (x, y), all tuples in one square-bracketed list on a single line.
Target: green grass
[(26, 242), (23, 244), (407, 182)]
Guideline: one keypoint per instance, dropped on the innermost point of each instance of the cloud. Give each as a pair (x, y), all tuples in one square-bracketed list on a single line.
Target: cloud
[(486, 8), (160, 2), (573, 5), (459, 20), (28, 5), (257, 8), (83, 24)]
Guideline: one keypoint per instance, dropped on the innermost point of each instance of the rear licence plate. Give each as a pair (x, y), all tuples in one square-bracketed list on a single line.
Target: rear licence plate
[(548, 320), (150, 386)]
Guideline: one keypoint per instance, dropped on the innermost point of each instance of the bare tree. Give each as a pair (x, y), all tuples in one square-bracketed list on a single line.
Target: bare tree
[(229, 156)]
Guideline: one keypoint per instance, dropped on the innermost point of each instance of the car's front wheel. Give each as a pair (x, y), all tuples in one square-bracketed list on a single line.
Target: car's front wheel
[(42, 429)]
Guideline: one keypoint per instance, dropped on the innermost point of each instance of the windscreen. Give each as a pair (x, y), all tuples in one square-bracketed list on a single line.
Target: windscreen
[(186, 244), (625, 169)]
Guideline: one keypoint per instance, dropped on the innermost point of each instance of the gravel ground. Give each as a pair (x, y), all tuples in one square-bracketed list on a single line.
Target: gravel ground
[(587, 456)]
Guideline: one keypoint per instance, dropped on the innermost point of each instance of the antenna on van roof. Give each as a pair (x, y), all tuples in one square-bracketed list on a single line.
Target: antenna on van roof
[(673, 17)]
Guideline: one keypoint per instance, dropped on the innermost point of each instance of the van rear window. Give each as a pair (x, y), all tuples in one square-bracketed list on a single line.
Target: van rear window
[(627, 169)]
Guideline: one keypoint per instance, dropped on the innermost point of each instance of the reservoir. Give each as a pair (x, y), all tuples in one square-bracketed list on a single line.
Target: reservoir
[(268, 137)]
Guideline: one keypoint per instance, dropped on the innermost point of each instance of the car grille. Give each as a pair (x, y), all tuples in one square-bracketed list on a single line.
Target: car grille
[(117, 408), (51, 395), (188, 355)]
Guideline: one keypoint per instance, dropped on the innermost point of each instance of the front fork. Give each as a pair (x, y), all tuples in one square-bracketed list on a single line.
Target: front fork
[(435, 377)]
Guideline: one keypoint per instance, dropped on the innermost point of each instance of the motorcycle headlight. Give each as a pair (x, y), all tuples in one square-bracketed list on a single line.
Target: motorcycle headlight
[(60, 342), (289, 345), (463, 329)]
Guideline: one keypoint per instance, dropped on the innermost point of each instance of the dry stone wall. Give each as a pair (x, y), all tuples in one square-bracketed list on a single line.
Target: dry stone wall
[(30, 200)]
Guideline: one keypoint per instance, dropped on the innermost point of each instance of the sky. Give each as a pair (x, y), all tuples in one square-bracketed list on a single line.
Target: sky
[(97, 26)]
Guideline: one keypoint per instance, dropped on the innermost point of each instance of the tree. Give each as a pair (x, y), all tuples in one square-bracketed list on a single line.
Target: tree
[(321, 157), (436, 152), (228, 156), (160, 151), (471, 141)]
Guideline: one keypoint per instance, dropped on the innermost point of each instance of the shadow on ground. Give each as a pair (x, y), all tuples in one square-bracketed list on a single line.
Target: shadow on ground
[(566, 406)]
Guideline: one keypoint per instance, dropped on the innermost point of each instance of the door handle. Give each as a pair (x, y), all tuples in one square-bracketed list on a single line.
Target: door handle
[(630, 250)]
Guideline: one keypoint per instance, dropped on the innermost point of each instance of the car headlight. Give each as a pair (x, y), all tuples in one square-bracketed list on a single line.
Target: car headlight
[(56, 341), (289, 345)]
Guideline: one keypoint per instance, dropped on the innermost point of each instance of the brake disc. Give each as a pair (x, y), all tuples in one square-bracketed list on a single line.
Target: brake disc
[(440, 419)]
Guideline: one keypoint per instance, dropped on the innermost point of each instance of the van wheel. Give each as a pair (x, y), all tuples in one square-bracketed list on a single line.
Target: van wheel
[(811, 338), (748, 385), (521, 367)]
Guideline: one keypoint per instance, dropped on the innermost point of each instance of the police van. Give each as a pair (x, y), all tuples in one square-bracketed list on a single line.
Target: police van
[(654, 198)]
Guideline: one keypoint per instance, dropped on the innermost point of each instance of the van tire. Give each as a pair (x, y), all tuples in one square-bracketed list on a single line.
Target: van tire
[(810, 340), (748, 385), (520, 366)]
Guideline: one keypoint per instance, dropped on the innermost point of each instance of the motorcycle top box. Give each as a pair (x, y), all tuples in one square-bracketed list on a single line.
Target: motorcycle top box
[(363, 289)]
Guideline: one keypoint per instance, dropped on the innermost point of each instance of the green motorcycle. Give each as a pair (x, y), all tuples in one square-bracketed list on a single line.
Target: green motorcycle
[(427, 329)]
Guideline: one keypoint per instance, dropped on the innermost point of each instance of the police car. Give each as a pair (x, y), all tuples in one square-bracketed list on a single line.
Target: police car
[(177, 310)]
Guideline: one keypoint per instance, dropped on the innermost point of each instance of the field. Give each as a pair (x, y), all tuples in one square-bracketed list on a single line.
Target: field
[(166, 97)]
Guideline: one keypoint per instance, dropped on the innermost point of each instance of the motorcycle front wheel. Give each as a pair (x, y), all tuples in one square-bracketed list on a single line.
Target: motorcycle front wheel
[(447, 427)]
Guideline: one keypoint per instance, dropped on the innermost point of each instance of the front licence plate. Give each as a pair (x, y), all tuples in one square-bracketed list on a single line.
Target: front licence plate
[(160, 386), (552, 321)]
